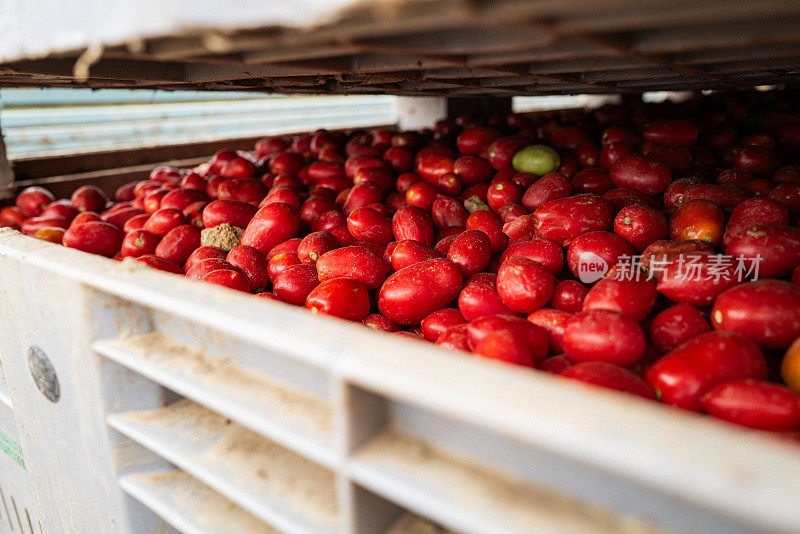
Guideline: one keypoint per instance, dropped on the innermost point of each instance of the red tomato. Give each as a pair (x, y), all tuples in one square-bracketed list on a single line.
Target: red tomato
[(279, 262), (591, 250), (682, 376), (524, 285), (454, 338), (505, 346), (160, 264), (640, 174), (294, 283), (629, 293), (412, 223), (640, 226), (366, 224), (408, 252), (138, 243), (314, 245), (769, 251), (564, 219), (549, 187), (755, 211), (470, 252), (232, 212), (32, 201), (554, 322), (96, 237), (603, 335), (252, 264), (340, 297), (414, 292), (473, 140), (353, 262), (698, 219), (178, 244), (164, 220), (228, 278), (697, 278), (447, 212), (376, 321), (89, 198), (436, 323), (480, 298), (766, 311), (270, 226), (532, 336), (671, 132), (677, 325), (754, 404), (569, 295), (491, 225), (609, 376), (202, 253)]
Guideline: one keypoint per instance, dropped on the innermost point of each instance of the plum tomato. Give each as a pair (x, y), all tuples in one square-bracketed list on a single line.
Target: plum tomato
[(603, 335), (640, 174), (765, 311), (640, 225), (412, 293), (524, 285), (569, 295), (698, 219), (271, 225), (554, 322), (436, 323), (96, 237), (590, 255), (609, 376), (353, 262), (252, 263), (675, 326), (340, 297), (470, 252), (564, 219), (294, 283), (682, 376), (479, 298), (753, 404)]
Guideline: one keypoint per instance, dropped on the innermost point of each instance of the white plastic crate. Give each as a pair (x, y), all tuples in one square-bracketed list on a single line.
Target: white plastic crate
[(188, 406)]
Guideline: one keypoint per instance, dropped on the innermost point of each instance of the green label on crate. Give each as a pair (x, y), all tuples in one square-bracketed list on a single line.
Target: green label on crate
[(12, 449)]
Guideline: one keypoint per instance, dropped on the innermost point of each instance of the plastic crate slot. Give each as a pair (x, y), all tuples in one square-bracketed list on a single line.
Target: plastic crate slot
[(190, 506), (465, 496), (287, 416), (284, 369), (276, 485)]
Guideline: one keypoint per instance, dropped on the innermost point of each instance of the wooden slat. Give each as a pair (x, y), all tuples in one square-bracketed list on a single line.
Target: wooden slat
[(415, 46)]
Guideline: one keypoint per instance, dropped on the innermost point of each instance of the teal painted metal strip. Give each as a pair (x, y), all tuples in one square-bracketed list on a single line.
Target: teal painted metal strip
[(12, 449), (13, 444)]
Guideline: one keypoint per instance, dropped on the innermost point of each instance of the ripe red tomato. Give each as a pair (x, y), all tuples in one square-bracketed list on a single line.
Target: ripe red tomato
[(684, 375), (603, 335), (340, 297), (412, 293)]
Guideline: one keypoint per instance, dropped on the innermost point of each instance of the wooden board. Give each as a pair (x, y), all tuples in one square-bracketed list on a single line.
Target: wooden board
[(451, 47)]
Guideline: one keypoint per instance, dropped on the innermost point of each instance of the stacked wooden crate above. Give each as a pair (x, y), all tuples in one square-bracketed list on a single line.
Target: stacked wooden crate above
[(444, 47)]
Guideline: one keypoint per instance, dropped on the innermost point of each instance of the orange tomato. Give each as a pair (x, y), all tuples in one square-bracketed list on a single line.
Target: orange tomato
[(790, 366), (698, 219), (51, 234)]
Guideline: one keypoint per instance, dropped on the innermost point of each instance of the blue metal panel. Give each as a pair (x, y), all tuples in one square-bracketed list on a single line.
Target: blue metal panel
[(47, 121)]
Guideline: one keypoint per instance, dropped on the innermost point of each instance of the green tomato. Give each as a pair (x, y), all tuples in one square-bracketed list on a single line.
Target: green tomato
[(536, 159)]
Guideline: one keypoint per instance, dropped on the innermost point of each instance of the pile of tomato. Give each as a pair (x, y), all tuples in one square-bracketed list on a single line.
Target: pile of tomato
[(649, 248)]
